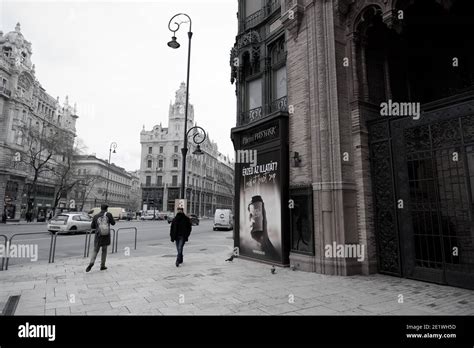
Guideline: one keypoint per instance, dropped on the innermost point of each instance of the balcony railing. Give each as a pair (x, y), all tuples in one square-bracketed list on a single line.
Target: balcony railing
[(253, 115), (6, 92), (257, 17), (280, 104), (254, 19)]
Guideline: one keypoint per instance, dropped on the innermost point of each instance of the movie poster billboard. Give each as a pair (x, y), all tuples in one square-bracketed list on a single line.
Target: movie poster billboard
[(260, 230)]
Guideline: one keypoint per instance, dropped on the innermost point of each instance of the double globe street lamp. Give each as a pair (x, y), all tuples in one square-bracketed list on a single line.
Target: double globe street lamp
[(113, 146), (200, 136)]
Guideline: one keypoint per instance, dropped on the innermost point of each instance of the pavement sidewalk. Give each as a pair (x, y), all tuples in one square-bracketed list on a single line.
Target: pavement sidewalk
[(148, 283)]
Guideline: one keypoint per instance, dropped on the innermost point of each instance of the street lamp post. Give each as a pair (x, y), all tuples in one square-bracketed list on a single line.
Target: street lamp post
[(113, 146), (174, 44)]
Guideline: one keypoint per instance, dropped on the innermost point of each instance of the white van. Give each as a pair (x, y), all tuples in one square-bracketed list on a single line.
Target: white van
[(223, 219), (117, 213)]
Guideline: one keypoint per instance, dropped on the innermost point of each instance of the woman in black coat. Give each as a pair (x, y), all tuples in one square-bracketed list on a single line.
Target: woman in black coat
[(179, 232)]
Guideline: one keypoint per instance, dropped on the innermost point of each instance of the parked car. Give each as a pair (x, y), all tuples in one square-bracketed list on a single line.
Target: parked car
[(147, 217), (70, 222), (194, 219), (129, 216), (170, 217), (223, 219)]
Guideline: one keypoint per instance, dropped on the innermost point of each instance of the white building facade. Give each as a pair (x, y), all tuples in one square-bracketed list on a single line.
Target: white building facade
[(209, 177)]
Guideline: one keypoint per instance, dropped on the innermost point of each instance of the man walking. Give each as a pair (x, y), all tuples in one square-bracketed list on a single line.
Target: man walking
[(101, 224), (179, 233)]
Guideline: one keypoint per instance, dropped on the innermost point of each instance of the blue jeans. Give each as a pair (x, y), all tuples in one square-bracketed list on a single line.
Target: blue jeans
[(179, 247)]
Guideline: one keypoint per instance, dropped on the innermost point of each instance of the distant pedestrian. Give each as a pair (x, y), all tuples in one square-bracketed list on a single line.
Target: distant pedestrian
[(28, 217), (179, 232), (50, 215), (101, 224), (4, 215)]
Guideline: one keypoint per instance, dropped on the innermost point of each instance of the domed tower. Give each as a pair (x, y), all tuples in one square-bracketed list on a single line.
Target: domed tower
[(14, 46), (177, 113)]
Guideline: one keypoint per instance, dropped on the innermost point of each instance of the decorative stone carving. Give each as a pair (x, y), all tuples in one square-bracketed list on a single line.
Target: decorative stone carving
[(252, 37), (293, 17), (25, 81)]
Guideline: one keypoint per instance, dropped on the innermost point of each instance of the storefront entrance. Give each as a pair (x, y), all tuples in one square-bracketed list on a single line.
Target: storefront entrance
[(423, 186)]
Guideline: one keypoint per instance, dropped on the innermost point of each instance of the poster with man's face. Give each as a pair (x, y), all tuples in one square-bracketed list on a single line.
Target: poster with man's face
[(260, 209)]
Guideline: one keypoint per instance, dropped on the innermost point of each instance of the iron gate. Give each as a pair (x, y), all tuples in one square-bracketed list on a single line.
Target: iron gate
[(423, 186)]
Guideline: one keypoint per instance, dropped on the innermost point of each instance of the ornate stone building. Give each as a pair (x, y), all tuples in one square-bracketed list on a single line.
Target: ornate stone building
[(209, 177), (25, 106), (398, 183)]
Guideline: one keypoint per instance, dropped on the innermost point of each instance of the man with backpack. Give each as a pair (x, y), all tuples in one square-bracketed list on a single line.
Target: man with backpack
[(101, 224), (179, 233)]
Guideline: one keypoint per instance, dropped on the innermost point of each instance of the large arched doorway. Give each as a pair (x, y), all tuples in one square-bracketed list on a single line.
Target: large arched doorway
[(422, 164)]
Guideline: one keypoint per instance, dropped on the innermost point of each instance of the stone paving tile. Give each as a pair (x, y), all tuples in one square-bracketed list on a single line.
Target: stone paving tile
[(92, 307), (151, 285), (318, 310)]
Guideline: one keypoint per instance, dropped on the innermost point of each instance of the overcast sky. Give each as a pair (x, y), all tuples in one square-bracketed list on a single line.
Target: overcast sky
[(111, 58)]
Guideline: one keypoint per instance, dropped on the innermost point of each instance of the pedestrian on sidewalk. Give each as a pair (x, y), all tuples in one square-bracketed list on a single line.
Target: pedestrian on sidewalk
[(101, 224), (29, 217), (179, 232), (4, 215)]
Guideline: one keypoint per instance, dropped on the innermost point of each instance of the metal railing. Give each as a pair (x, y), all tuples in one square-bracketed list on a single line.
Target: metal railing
[(259, 16), (254, 19), (252, 115), (124, 229), (25, 234), (53, 242), (87, 242), (280, 104), (259, 113)]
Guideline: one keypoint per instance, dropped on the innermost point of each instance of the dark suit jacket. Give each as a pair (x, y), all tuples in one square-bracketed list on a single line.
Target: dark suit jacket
[(180, 227)]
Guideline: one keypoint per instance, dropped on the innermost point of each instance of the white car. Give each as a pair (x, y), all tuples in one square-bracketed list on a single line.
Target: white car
[(70, 222)]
